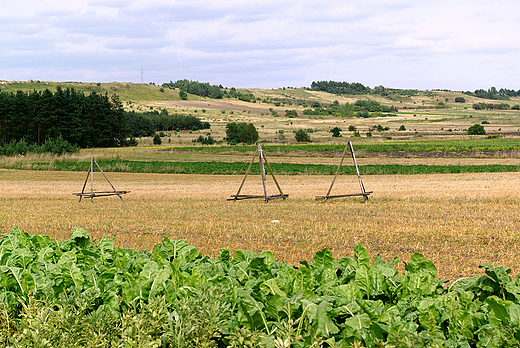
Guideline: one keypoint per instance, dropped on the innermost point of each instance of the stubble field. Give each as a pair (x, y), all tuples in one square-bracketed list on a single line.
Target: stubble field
[(457, 220)]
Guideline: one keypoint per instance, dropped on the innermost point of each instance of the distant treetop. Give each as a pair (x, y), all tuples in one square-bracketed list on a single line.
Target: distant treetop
[(493, 93), (340, 87)]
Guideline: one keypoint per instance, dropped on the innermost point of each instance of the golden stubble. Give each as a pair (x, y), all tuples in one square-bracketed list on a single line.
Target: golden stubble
[(459, 221)]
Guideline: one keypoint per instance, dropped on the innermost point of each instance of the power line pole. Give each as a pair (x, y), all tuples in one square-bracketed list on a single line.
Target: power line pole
[(142, 75)]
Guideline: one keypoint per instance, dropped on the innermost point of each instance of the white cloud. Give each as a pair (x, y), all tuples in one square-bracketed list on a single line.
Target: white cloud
[(459, 44)]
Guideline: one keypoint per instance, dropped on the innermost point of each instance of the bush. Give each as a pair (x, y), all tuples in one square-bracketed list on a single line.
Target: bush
[(336, 132), (56, 146), (476, 129), (157, 139), (302, 136), (460, 100), (205, 140), (402, 128), (352, 128), (241, 132), (291, 113), (363, 114), (132, 142)]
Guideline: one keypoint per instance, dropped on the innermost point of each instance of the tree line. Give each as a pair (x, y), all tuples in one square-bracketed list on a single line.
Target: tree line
[(148, 123), (360, 108), (204, 89), (491, 106), (339, 88), (93, 120), (493, 93)]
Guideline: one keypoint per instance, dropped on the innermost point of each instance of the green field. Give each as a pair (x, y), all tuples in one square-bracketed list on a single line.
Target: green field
[(240, 168)]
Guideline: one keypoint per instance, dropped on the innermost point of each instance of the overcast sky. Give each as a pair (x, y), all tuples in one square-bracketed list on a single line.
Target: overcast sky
[(457, 45)]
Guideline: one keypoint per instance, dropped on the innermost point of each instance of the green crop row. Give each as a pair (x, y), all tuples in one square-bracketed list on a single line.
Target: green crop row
[(498, 144), (241, 168), (81, 292)]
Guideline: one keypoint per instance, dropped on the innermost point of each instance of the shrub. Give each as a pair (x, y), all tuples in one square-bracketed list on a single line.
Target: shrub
[(402, 128), (132, 142), (205, 140), (241, 132), (56, 146), (476, 129), (302, 136), (336, 132), (291, 113), (157, 139), (460, 100)]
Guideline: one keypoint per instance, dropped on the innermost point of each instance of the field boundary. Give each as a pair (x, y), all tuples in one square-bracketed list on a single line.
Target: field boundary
[(229, 168)]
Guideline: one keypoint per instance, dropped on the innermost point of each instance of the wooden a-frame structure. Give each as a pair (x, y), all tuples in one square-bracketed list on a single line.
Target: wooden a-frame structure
[(93, 193), (362, 193), (265, 196)]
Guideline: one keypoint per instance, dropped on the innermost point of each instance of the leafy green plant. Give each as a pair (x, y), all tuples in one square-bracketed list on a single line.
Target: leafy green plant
[(82, 292)]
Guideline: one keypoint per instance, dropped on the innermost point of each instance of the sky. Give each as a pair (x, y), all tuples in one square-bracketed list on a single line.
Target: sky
[(460, 45)]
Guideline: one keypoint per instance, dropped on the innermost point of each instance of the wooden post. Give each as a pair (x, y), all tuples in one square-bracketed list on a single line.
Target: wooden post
[(102, 172), (337, 171), (245, 176), (92, 178), (86, 179), (274, 179), (93, 194), (357, 171), (363, 192), (262, 162), (262, 171)]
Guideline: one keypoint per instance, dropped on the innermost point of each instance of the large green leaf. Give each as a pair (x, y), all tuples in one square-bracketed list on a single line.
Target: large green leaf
[(20, 257), (323, 258), (500, 308), (159, 280), (419, 264), (358, 322), (149, 269), (363, 280), (271, 287), (319, 319), (361, 255)]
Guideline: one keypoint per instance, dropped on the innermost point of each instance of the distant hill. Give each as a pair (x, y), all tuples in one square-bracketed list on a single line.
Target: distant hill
[(286, 97)]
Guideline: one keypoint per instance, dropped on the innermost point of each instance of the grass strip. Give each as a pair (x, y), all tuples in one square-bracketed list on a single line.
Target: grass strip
[(473, 145), (224, 168)]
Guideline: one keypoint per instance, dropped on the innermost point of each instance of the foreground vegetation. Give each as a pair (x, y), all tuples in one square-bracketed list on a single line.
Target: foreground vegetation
[(80, 292)]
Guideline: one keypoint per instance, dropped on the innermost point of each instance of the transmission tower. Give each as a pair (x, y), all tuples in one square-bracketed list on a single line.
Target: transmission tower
[(142, 75)]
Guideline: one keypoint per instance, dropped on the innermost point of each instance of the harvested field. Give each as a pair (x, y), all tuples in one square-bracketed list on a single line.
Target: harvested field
[(217, 105), (457, 220)]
